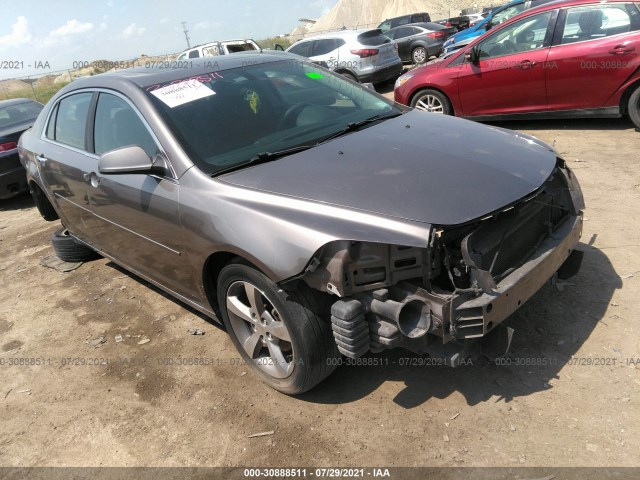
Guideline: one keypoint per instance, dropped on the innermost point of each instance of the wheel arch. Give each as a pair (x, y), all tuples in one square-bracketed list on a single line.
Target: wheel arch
[(624, 99), (214, 264)]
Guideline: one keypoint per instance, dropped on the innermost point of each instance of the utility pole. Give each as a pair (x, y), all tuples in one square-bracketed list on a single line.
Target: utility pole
[(186, 33)]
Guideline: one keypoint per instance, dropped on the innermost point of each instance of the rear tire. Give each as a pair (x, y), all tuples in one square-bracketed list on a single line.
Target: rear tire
[(349, 76), (69, 249), (433, 101), (634, 107), (284, 337), (42, 203), (419, 55)]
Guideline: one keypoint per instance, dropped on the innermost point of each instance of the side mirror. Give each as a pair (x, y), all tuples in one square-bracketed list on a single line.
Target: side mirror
[(369, 86), (277, 46), (487, 26), (127, 160), (472, 56)]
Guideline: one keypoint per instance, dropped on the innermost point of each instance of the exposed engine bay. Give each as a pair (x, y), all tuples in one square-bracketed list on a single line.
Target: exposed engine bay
[(449, 298)]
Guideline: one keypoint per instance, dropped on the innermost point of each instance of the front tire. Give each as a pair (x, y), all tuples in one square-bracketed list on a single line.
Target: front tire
[(283, 336), (432, 101), (634, 107)]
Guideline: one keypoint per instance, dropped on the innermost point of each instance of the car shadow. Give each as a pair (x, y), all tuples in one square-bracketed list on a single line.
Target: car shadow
[(19, 202), (578, 124), (169, 297), (549, 330)]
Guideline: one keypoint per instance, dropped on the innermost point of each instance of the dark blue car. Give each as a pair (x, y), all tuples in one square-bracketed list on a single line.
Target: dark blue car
[(496, 17)]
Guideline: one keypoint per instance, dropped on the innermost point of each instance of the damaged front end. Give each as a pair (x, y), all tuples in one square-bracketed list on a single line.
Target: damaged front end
[(449, 298)]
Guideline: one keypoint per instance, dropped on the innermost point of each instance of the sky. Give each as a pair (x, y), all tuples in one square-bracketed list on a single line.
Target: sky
[(36, 36)]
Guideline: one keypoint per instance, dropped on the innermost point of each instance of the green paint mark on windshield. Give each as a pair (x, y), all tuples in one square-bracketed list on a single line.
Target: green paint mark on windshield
[(315, 75)]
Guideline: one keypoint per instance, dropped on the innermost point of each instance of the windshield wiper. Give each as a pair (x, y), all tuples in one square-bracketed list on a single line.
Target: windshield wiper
[(263, 157), (354, 126)]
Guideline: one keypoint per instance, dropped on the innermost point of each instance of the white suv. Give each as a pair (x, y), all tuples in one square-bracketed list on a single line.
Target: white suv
[(224, 47), (366, 56)]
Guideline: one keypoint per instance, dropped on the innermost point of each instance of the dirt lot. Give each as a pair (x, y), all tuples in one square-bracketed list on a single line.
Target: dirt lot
[(578, 404)]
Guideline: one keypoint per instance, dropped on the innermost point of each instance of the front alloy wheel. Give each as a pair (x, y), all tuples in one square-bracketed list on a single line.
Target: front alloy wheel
[(285, 337), (432, 101), (258, 327)]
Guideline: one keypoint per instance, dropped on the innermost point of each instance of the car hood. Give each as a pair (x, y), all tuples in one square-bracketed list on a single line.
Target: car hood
[(421, 167)]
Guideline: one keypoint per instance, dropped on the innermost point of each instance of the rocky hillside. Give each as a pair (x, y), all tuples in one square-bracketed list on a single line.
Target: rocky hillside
[(369, 13)]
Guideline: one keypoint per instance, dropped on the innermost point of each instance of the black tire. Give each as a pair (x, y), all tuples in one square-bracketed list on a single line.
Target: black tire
[(634, 107), (43, 204), (424, 98), (69, 249), (350, 76), (419, 55), (311, 354)]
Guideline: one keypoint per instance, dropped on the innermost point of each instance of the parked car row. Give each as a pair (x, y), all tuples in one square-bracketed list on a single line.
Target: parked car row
[(574, 58)]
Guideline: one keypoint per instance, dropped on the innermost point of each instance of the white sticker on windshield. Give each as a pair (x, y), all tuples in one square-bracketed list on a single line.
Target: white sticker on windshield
[(183, 92)]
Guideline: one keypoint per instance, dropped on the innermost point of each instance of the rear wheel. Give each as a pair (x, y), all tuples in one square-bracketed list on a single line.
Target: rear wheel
[(281, 335), (432, 101), (69, 249), (349, 75), (42, 203), (634, 107), (419, 55)]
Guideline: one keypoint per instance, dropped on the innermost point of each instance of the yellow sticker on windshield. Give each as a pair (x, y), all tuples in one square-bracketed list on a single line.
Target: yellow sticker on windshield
[(254, 101)]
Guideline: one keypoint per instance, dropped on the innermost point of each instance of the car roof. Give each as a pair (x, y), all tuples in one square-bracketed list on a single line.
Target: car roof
[(403, 16), (425, 25), (15, 101), (145, 76), (339, 34), (565, 3)]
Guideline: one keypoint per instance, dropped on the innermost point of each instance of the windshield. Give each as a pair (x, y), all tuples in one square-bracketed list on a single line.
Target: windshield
[(229, 117)]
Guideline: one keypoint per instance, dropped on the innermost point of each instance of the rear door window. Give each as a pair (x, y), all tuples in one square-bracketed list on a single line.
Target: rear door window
[(599, 21), (71, 120), (302, 49), (373, 38), (325, 46)]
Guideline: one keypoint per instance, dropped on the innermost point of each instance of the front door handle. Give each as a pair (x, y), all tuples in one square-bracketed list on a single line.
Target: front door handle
[(92, 179), (42, 159), (526, 65), (622, 49)]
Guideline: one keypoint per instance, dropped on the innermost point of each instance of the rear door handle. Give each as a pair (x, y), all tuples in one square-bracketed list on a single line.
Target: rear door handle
[(41, 158), (621, 50), (526, 65)]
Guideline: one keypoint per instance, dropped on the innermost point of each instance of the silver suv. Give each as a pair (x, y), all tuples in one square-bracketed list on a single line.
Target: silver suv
[(366, 56)]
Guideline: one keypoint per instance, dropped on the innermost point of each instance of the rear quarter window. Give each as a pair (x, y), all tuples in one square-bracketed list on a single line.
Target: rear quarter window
[(71, 120), (373, 38)]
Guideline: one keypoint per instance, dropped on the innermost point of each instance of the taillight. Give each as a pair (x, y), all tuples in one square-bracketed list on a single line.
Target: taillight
[(365, 52), (438, 34), (5, 147)]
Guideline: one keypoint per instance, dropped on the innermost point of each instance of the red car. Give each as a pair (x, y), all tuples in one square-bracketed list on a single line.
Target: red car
[(576, 58)]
